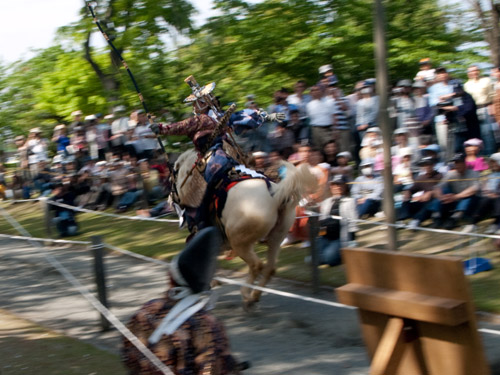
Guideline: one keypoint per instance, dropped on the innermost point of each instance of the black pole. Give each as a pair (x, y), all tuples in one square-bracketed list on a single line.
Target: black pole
[(100, 277), (313, 234)]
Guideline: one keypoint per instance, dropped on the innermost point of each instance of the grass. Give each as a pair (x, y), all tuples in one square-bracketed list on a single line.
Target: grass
[(29, 349), (164, 240)]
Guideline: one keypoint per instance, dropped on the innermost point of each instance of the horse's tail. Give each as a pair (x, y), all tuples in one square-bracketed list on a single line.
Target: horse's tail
[(297, 182)]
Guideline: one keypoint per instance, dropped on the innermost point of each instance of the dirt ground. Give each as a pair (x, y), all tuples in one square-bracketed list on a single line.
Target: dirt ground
[(282, 336)]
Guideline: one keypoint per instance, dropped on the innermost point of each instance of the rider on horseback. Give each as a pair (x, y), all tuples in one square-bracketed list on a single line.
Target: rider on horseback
[(208, 131)]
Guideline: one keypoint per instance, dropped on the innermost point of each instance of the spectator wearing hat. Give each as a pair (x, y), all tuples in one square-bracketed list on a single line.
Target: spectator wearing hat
[(489, 198), (418, 198), (423, 110), (433, 150), (342, 166), (472, 159), (91, 136), (482, 91), (400, 141), (146, 140), (371, 145), (367, 190), (321, 113), (456, 193), (441, 94), (366, 111), (404, 106), (326, 75), (119, 129), (342, 127), (403, 172), (178, 327), (336, 233), (36, 148), (426, 73), (77, 120)]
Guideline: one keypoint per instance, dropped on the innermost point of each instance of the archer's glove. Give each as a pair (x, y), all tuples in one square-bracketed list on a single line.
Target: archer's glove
[(155, 128), (278, 117)]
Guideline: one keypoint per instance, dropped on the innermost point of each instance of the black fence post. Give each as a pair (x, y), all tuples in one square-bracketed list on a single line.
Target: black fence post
[(100, 277), (47, 216), (313, 234)]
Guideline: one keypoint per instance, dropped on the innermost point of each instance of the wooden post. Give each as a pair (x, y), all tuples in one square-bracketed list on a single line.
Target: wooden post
[(313, 234), (383, 120), (100, 277), (47, 216)]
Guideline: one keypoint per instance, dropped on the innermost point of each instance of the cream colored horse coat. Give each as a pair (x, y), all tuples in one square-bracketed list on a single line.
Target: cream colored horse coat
[(253, 213)]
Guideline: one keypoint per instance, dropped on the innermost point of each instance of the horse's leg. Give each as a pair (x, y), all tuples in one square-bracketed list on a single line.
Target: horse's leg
[(254, 264), (274, 239)]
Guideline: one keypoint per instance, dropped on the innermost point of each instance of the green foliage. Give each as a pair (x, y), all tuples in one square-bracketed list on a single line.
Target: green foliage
[(246, 49)]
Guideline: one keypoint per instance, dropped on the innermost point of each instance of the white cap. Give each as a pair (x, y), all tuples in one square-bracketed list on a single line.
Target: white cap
[(325, 68), (495, 157), (90, 118)]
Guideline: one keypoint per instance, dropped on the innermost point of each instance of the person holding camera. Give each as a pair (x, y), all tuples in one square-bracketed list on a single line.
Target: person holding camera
[(456, 119), (336, 232)]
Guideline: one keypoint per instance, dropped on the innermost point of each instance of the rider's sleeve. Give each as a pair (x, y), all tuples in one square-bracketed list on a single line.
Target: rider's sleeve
[(245, 119)]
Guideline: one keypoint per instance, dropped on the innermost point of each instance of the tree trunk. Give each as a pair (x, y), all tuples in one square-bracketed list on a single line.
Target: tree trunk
[(495, 33), (108, 81)]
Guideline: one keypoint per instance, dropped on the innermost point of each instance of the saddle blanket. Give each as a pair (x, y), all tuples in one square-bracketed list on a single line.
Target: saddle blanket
[(243, 169)]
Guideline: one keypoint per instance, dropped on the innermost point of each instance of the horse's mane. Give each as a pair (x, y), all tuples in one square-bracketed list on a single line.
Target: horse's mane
[(193, 191)]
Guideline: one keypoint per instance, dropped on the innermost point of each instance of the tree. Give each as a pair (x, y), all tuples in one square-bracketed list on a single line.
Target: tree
[(488, 19), (138, 28), (258, 48)]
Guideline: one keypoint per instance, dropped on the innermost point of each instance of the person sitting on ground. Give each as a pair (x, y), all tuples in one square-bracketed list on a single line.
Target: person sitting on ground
[(489, 198), (372, 148), (343, 167), (64, 218), (367, 190), (456, 193), (472, 159), (330, 151), (178, 327), (403, 172), (336, 233), (418, 198)]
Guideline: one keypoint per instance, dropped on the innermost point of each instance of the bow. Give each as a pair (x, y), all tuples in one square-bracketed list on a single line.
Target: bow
[(124, 63)]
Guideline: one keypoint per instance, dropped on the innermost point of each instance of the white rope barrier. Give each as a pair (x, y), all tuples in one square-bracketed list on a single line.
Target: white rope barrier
[(239, 283), (92, 299), (220, 279), (39, 239), (137, 218), (135, 255), (404, 226)]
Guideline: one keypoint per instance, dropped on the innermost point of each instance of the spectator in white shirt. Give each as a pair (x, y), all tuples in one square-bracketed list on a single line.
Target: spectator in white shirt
[(321, 113)]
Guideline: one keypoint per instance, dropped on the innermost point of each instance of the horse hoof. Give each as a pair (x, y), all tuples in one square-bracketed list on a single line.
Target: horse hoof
[(249, 306)]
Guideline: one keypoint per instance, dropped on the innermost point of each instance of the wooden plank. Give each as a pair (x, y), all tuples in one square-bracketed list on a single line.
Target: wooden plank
[(403, 304), (447, 348), (390, 349)]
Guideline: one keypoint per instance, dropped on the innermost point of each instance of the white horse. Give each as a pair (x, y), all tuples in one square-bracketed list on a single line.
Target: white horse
[(252, 213)]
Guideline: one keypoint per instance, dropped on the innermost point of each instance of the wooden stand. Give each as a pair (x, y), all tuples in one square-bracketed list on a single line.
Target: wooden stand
[(416, 313)]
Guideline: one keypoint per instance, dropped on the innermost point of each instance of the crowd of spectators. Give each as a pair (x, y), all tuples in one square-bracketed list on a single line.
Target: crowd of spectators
[(445, 137), (97, 163)]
